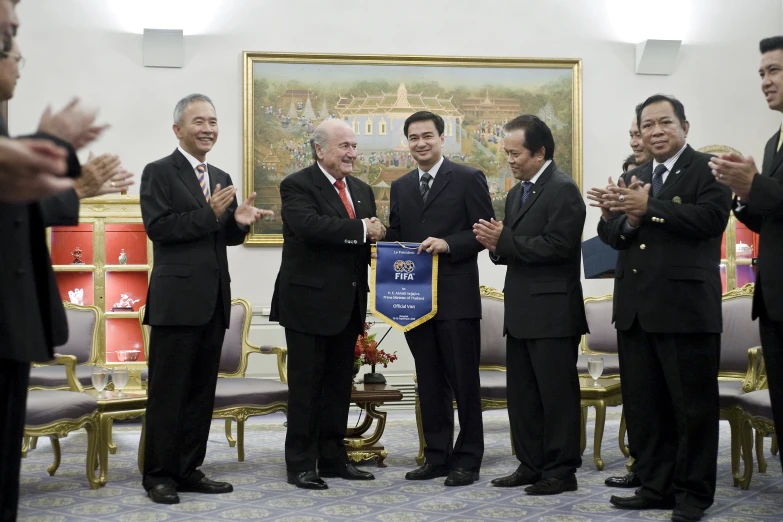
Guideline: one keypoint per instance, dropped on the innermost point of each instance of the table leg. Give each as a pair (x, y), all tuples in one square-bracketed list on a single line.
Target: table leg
[(621, 437), (110, 438), (104, 434), (600, 419), (583, 431)]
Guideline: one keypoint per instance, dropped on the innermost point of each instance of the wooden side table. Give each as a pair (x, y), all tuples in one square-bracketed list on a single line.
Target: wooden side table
[(369, 397), (607, 393), (113, 406)]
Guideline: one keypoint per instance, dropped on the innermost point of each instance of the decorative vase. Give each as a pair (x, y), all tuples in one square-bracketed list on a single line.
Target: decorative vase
[(123, 257), (374, 378)]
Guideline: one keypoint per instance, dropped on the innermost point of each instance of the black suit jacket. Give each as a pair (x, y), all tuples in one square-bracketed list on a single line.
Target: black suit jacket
[(188, 243), (323, 270), (668, 269), (458, 198), (541, 243), (763, 214), (32, 319)]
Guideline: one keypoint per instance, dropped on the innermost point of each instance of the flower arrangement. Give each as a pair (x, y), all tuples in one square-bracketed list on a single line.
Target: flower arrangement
[(366, 351)]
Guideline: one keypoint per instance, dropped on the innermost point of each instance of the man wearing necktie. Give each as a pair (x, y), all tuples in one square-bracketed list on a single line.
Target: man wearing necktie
[(320, 299), (667, 218), (436, 205), (759, 205), (190, 214), (540, 243)]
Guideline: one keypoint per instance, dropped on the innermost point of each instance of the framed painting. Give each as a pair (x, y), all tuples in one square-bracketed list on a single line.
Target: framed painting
[(287, 95)]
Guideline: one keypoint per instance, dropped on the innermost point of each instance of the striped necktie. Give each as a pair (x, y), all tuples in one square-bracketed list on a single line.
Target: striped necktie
[(424, 187), (202, 180)]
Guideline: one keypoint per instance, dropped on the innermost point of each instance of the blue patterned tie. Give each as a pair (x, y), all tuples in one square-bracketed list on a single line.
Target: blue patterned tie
[(657, 182), (526, 186)]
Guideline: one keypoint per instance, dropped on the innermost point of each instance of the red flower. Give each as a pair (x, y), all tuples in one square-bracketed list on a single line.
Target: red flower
[(366, 350)]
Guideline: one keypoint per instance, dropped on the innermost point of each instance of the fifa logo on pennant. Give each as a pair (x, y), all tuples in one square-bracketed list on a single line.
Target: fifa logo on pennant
[(404, 270)]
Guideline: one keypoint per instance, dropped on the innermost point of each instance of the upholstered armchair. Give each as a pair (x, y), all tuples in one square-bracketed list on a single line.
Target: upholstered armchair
[(238, 397), (492, 361), (83, 323), (56, 413)]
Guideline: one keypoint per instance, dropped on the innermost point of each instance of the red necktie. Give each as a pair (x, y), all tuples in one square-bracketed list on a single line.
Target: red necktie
[(340, 184)]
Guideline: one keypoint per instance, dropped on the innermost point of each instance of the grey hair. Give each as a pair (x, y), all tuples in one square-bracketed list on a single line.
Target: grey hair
[(179, 110), (319, 137)]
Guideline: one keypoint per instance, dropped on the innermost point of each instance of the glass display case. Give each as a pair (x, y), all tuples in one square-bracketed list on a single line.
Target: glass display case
[(106, 261)]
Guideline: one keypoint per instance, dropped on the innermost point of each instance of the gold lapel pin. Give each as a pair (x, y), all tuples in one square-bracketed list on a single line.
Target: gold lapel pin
[(677, 199)]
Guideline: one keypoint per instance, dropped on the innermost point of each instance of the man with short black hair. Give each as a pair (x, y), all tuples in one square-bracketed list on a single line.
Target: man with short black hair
[(436, 205), (759, 206), (540, 242), (667, 219)]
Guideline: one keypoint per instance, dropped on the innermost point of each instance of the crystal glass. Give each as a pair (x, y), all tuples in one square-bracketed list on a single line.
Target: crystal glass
[(100, 378), (595, 367), (119, 375)]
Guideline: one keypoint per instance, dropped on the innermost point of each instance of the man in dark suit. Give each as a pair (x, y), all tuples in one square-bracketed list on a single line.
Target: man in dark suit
[(540, 243), (321, 300), (436, 205), (190, 214), (667, 220), (759, 205)]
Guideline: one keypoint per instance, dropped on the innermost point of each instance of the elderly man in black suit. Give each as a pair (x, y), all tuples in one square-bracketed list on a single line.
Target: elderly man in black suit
[(436, 205), (321, 300), (190, 214), (540, 242), (759, 205), (667, 220)]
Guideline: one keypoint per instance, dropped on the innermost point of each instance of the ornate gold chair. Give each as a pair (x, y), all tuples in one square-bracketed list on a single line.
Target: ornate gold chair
[(83, 325), (238, 397), (56, 413), (492, 369)]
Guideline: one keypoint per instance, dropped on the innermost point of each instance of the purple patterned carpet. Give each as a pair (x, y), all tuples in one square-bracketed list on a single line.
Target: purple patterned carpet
[(261, 493)]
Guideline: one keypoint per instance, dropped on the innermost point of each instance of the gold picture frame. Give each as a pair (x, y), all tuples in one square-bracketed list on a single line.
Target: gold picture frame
[(285, 95)]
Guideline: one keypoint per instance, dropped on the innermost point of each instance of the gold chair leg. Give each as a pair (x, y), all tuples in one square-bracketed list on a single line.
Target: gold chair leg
[(57, 455), (241, 440), (773, 448), (624, 449), (747, 454), (600, 421), (762, 462), (231, 441), (92, 451), (25, 446), (583, 431), (422, 443), (736, 444), (33, 442)]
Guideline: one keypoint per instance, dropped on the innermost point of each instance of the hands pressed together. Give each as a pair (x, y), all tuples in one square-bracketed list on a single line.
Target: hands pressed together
[(630, 200), (736, 172)]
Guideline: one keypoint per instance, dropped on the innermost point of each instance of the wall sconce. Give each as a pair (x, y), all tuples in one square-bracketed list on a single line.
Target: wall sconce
[(164, 48), (657, 56)]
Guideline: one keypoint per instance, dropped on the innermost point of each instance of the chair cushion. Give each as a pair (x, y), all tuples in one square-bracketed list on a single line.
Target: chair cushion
[(48, 406), (729, 392), (231, 353), (260, 392), (739, 334), (603, 336), (54, 376), (756, 403), (611, 364), (493, 344), (493, 384)]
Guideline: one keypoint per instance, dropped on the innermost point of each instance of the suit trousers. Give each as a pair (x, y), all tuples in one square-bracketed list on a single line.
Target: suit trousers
[(183, 368), (446, 354), (772, 345), (544, 405), (14, 377), (320, 370), (670, 398)]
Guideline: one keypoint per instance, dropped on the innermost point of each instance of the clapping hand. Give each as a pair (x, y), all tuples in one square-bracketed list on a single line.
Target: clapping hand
[(488, 233), (247, 213), (74, 124)]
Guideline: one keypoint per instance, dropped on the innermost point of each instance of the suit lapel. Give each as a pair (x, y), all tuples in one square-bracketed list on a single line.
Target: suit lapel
[(187, 175), (535, 192), (439, 183), (328, 191), (772, 158), (677, 173), (412, 184)]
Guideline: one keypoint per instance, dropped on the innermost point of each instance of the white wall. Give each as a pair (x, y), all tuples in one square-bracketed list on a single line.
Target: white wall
[(84, 47)]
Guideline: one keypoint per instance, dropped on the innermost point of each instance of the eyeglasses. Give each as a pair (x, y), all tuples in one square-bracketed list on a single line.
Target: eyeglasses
[(18, 57)]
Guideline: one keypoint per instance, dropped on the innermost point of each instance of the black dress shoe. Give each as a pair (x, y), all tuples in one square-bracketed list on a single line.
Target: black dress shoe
[(306, 480), (552, 486), (427, 472), (207, 486), (164, 494), (689, 514), (512, 481), (637, 502), (347, 472), (461, 477), (631, 480)]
